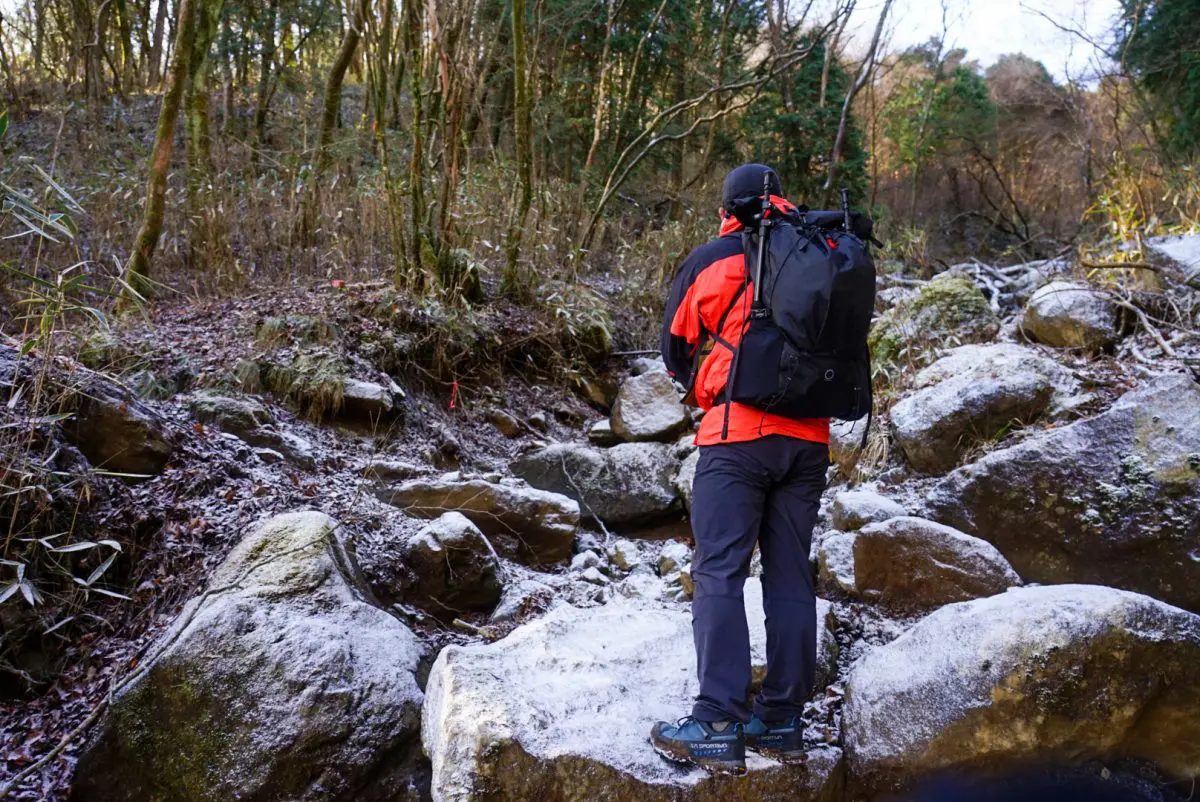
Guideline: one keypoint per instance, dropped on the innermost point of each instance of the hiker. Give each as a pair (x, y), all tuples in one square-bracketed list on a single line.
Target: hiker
[(759, 481)]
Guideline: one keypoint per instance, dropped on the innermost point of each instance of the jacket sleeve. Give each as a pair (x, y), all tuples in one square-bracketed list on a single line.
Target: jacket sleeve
[(682, 330)]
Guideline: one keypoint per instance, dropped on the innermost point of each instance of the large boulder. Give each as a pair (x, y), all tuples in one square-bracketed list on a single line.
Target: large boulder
[(1182, 251), (561, 709), (282, 681), (1113, 499), (854, 509), (534, 524), (687, 477), (451, 563), (972, 394), (1070, 314), (368, 400), (117, 432), (949, 307), (912, 565), (630, 483), (648, 408), (1052, 675)]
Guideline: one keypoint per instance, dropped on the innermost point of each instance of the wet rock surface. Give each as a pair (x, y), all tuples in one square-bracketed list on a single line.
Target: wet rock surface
[(1041, 674), (1113, 499), (282, 681)]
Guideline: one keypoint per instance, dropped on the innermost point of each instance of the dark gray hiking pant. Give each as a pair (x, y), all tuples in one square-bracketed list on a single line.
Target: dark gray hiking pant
[(764, 491)]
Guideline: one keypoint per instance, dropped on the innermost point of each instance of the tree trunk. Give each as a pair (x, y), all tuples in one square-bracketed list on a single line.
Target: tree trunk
[(156, 45), (128, 56), (264, 73), (413, 37), (137, 268), (864, 75), (330, 108), (511, 282), (199, 135), (601, 102)]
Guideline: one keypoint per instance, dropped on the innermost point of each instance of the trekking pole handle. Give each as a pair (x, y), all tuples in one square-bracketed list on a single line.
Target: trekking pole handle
[(846, 208)]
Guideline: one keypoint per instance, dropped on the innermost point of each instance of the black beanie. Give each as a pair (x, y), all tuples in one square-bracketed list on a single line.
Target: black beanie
[(746, 182)]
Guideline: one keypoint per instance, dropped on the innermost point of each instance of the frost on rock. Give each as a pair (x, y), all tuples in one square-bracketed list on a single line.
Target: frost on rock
[(854, 509), (972, 394), (1058, 674), (282, 681), (561, 710), (1183, 250), (1070, 314), (628, 484), (1113, 500), (648, 408)]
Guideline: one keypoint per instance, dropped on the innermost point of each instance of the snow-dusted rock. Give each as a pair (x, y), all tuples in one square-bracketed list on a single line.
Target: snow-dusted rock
[(229, 414), (971, 394), (1070, 314), (368, 400), (625, 554), (854, 509), (912, 565), (281, 682), (537, 525), (506, 424), (386, 469), (845, 443), (1053, 675), (647, 364), (117, 432), (949, 308), (1183, 250), (450, 563), (1114, 499), (686, 476), (827, 647), (601, 434), (648, 408), (295, 449), (520, 598), (630, 483), (561, 709)]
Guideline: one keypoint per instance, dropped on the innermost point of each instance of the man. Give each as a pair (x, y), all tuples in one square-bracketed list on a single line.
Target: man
[(759, 481)]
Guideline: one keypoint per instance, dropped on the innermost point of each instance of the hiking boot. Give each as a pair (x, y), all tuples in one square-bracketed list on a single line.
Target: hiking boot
[(782, 740), (718, 747)]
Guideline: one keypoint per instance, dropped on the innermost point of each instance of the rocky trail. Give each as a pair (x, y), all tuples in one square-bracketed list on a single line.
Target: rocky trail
[(361, 566)]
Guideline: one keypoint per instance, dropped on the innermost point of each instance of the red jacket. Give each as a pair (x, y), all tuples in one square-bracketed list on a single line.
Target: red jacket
[(710, 300)]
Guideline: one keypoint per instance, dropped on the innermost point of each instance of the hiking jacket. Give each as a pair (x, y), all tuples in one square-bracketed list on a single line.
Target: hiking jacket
[(708, 308)]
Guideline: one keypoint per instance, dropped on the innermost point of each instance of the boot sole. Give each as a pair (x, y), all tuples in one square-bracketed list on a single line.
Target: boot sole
[(781, 755), (682, 756)]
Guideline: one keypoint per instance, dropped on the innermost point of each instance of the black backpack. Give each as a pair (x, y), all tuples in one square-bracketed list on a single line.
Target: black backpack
[(804, 352)]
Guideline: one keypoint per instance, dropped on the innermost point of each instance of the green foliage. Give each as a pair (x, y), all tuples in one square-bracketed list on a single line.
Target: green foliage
[(795, 133), (939, 115), (1158, 39)]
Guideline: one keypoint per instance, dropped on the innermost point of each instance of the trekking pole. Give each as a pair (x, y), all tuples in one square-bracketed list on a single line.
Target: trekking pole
[(846, 208), (763, 224)]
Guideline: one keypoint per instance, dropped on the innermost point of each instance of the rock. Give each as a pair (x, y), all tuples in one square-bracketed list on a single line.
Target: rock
[(1114, 499), (281, 682), (632, 483), (673, 557), (233, 415), (911, 565), (506, 424), (1048, 675), (970, 395), (624, 554), (646, 364), (845, 443), (601, 434), (648, 408), (296, 449), (1182, 251), (561, 708), (594, 576), (450, 562), (949, 306), (687, 476), (854, 509), (835, 564), (1070, 314), (599, 391), (269, 456), (526, 596), (542, 524), (827, 647), (117, 432), (369, 401), (384, 469), (585, 560)]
